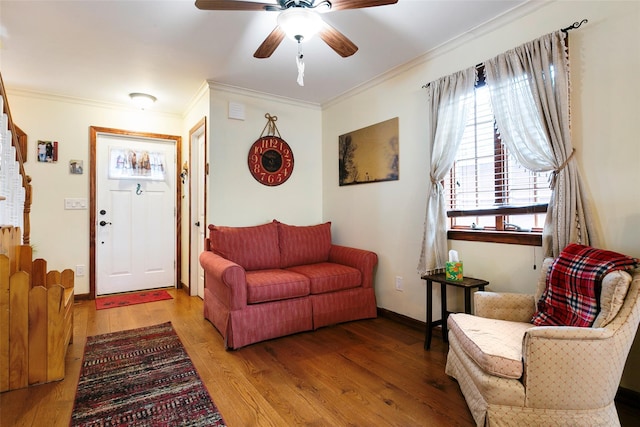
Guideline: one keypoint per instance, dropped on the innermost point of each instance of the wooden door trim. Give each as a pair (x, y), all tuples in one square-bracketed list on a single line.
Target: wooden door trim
[(93, 135), (202, 124)]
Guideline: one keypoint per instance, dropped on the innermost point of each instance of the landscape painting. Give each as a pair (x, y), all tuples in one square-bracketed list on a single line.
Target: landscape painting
[(370, 154)]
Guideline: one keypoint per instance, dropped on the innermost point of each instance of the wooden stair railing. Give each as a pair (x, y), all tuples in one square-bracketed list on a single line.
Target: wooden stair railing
[(16, 137)]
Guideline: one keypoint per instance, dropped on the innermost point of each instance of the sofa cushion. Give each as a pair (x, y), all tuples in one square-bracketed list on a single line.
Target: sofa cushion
[(542, 278), (329, 277), (275, 285), (614, 290), (254, 248), (495, 345), (301, 245)]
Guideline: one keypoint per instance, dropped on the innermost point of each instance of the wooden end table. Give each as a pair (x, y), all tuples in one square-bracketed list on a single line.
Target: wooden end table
[(467, 284)]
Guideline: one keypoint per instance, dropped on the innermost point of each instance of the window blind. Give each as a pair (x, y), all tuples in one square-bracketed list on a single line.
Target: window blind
[(484, 175)]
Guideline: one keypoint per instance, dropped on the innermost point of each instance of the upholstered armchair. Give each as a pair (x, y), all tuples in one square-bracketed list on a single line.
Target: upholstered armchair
[(513, 373)]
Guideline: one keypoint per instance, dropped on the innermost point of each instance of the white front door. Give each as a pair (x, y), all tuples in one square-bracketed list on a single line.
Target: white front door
[(135, 213)]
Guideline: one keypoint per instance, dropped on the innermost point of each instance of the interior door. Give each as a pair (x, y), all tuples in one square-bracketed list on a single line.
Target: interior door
[(202, 220), (135, 220), (198, 200)]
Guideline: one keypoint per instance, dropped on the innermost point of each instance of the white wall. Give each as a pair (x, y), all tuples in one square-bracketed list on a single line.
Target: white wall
[(388, 217), (62, 236), (235, 197)]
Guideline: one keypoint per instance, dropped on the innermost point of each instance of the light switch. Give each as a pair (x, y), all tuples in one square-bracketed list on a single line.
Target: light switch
[(75, 203)]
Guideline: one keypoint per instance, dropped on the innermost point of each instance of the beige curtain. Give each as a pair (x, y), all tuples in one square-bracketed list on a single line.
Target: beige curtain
[(449, 101), (529, 88)]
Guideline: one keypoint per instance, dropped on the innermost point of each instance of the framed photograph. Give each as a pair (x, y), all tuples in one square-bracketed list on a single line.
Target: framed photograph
[(75, 167), (47, 151), (370, 154)]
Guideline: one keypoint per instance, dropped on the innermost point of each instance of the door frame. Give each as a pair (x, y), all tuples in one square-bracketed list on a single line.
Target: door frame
[(197, 130), (93, 137)]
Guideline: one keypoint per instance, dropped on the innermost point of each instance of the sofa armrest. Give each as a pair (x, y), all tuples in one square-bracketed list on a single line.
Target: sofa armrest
[(225, 279), (363, 260), (584, 365), (504, 306)]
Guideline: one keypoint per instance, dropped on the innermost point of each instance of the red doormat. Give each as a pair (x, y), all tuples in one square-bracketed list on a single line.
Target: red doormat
[(122, 300)]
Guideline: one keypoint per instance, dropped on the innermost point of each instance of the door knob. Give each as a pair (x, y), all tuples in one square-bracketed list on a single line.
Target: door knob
[(103, 223), (197, 224)]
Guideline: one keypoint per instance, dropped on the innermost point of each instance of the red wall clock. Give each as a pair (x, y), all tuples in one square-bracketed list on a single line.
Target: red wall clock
[(270, 160)]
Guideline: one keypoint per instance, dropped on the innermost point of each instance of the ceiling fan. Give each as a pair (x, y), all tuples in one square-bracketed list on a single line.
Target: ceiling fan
[(298, 19)]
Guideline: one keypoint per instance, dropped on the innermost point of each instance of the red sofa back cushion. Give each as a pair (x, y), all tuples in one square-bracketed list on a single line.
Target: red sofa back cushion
[(301, 245), (254, 248)]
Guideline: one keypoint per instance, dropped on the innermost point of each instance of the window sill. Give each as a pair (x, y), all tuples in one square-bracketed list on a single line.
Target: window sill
[(508, 237)]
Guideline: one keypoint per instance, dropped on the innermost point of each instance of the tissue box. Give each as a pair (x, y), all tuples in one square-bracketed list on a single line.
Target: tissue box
[(453, 271)]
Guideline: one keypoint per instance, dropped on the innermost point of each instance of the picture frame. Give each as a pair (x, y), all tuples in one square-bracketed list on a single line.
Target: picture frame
[(47, 151), (370, 154), (76, 167)]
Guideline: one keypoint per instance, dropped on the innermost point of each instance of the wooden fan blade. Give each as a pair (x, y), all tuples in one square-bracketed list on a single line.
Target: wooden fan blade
[(359, 4), (232, 5), (337, 41), (270, 44)]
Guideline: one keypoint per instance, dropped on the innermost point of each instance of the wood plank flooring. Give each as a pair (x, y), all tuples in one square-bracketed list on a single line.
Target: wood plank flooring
[(365, 373)]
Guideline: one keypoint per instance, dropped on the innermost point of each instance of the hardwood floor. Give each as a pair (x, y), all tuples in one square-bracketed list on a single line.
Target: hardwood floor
[(365, 373)]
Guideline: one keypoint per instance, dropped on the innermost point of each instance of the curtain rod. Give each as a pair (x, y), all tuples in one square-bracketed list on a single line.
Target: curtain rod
[(575, 25), (565, 30)]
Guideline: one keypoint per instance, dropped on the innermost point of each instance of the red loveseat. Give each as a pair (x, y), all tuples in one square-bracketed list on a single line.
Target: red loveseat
[(275, 279)]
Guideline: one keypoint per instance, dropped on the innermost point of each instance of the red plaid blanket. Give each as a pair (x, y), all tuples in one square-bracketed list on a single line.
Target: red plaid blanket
[(571, 296)]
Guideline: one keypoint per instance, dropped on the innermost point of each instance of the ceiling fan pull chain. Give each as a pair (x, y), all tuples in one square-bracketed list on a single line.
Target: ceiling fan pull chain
[(300, 62)]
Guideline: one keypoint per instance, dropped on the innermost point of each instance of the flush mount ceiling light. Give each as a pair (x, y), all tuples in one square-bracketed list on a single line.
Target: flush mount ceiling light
[(142, 100)]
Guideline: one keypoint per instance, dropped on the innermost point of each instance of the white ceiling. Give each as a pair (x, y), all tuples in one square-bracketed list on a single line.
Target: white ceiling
[(102, 50)]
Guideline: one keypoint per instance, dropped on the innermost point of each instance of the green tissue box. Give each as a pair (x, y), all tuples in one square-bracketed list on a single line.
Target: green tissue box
[(453, 271)]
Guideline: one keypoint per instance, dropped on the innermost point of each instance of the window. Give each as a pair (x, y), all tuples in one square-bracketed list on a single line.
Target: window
[(487, 189)]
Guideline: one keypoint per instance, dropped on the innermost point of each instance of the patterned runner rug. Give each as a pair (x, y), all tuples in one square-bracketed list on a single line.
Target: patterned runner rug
[(141, 377), (131, 298)]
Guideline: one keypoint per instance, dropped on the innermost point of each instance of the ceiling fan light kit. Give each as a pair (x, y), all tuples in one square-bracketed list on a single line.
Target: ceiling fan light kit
[(299, 20), (300, 24)]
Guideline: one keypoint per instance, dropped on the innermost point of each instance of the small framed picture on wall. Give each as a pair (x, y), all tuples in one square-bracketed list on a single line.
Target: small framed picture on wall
[(48, 151), (75, 167)]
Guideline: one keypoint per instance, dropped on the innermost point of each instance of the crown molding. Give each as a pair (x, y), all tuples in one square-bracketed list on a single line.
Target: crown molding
[(236, 90), (45, 96), (485, 28)]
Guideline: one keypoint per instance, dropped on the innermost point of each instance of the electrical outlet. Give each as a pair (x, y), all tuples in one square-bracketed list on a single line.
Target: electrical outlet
[(399, 283), (79, 270)]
